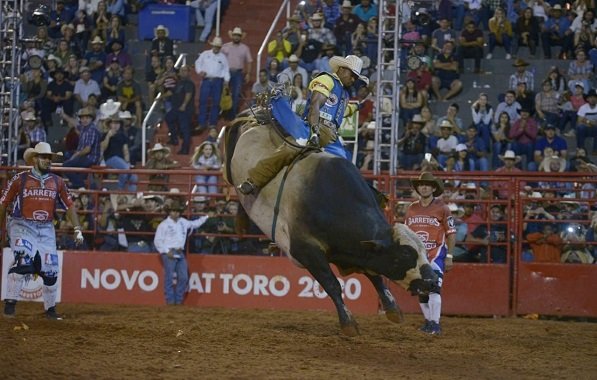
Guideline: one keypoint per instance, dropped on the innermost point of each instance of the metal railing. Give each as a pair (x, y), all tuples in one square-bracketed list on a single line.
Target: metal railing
[(285, 5), (182, 60)]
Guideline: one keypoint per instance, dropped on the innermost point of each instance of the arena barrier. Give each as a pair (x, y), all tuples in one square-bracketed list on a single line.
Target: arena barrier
[(511, 288)]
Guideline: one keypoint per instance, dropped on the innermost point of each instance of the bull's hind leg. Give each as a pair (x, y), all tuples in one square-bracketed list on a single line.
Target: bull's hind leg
[(314, 260), (388, 302)]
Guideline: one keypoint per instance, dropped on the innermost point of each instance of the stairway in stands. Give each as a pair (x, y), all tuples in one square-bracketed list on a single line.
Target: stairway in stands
[(261, 12)]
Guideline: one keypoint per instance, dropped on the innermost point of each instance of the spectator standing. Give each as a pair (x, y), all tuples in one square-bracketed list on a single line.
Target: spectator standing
[(331, 13), (182, 98), (212, 67), (170, 239), (88, 151), (293, 31), (345, 26), (205, 13), (365, 10), (240, 63), (431, 219), (30, 228)]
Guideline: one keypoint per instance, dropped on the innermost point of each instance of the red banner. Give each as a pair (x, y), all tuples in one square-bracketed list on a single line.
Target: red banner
[(222, 281)]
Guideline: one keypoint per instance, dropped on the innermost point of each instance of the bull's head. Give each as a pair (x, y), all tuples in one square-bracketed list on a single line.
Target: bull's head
[(403, 260)]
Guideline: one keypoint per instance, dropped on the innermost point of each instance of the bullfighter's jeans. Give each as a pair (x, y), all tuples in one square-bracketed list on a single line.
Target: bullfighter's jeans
[(175, 293)]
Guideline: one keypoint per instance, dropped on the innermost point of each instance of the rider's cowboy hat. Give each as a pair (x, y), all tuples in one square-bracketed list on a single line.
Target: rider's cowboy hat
[(350, 62), (427, 178), (40, 148)]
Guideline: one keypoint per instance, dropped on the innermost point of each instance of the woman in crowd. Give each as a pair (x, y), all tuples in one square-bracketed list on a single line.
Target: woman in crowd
[(206, 159)]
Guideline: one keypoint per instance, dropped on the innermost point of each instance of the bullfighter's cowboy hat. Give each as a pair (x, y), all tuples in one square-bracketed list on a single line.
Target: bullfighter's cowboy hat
[(41, 148), (427, 178), (350, 62)]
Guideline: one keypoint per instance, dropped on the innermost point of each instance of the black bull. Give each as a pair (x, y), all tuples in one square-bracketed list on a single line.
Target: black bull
[(328, 214)]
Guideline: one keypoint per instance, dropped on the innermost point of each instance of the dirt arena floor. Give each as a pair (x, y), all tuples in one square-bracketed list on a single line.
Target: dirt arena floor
[(126, 342)]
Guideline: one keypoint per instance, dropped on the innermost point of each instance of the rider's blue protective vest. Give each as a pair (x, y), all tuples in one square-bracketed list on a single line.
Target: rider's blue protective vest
[(334, 107)]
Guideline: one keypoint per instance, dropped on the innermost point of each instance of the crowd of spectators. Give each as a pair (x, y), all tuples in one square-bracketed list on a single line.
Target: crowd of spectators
[(85, 64)]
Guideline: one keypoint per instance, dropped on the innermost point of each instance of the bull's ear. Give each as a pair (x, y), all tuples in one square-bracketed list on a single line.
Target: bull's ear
[(373, 245)]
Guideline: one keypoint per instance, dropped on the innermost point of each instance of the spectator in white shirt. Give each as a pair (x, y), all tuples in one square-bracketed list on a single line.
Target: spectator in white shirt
[(170, 239)]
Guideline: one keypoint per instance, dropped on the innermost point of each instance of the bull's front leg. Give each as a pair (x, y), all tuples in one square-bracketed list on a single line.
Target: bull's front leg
[(388, 302), (313, 259)]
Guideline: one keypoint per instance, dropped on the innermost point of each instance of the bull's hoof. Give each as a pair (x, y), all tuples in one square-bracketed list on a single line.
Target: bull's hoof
[(351, 329), (395, 316)]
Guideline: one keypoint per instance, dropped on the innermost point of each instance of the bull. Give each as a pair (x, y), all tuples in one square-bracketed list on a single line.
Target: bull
[(322, 211)]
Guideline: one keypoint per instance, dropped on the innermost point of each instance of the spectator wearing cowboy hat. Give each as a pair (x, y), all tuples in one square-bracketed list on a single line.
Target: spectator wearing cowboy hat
[(59, 94), (162, 44), (322, 120), (446, 144), (290, 72), (502, 189), (88, 151), (116, 153), (95, 59), (556, 31), (522, 75), (345, 26), (159, 159), (212, 67), (34, 129), (240, 63), (182, 98), (115, 50), (170, 240), (431, 219), (412, 144)]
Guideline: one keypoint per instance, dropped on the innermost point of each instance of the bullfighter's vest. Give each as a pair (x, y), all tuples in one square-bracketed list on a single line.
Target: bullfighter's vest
[(333, 109)]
